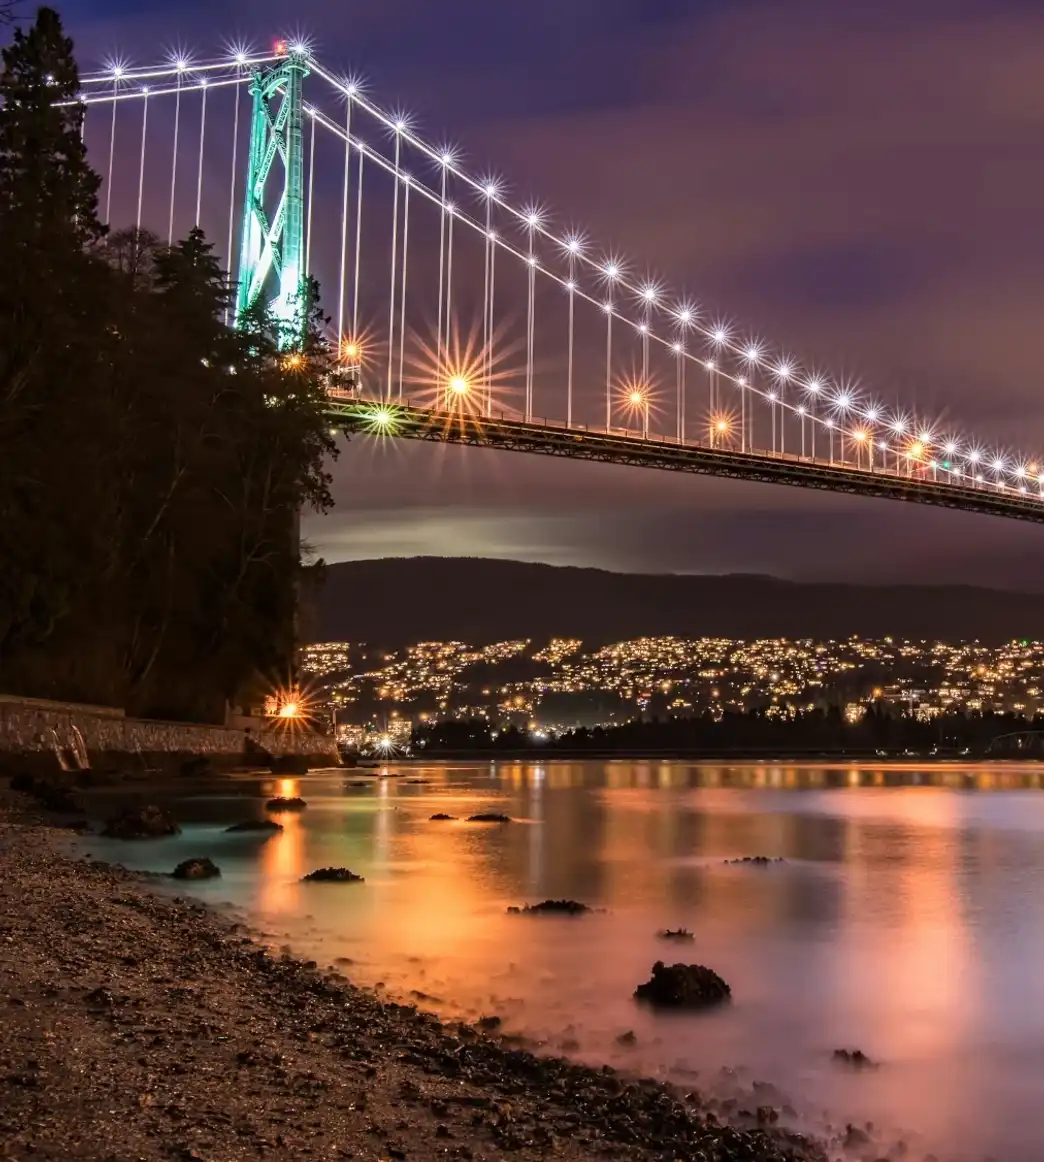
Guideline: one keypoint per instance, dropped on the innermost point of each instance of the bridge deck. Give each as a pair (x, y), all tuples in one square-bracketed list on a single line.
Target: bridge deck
[(403, 421)]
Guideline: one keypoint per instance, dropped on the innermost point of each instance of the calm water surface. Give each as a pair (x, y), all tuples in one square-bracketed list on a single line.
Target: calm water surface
[(907, 920)]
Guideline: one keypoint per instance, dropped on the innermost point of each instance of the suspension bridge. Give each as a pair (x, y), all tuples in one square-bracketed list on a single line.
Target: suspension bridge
[(460, 315)]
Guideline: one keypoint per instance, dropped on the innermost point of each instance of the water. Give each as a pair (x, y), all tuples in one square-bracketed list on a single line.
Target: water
[(907, 920)]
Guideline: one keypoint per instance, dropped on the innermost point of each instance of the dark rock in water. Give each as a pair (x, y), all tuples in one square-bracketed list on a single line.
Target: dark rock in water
[(196, 869), (629, 1038), (333, 875), (269, 826), (489, 817), (418, 782), (683, 986), (675, 934), (488, 1024), (760, 860), (197, 767), (855, 1058), (281, 804), (149, 822), (551, 908), (855, 1137), (440, 817)]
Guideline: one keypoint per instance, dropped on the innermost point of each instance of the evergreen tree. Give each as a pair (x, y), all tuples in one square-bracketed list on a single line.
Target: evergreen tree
[(52, 306), (47, 190)]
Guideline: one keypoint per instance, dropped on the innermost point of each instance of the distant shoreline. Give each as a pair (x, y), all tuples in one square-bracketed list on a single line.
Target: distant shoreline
[(740, 756)]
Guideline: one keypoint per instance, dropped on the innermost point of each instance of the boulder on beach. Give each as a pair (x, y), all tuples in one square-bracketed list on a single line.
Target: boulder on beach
[(854, 1059), (759, 860), (196, 869), (333, 875), (268, 826), (441, 817), (150, 822), (58, 799), (552, 908), (52, 796), (279, 803), (489, 817), (683, 986), (681, 934)]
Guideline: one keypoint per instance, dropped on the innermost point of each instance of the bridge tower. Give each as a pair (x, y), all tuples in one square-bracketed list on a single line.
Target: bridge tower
[(271, 255)]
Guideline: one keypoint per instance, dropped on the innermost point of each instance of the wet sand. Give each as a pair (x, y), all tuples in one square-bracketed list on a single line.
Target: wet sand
[(139, 1025)]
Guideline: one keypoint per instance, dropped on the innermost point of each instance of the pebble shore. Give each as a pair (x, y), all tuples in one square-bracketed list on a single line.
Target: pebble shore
[(137, 1025)]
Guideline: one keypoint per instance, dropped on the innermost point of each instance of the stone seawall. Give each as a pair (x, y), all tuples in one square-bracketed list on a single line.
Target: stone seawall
[(48, 736)]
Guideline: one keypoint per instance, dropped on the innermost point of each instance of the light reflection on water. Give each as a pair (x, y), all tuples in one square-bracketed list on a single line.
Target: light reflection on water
[(906, 921)]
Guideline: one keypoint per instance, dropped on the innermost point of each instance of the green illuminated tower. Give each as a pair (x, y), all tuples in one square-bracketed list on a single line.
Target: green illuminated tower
[(271, 255)]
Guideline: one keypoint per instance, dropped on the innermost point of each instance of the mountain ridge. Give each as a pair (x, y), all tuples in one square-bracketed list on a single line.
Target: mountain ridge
[(395, 601)]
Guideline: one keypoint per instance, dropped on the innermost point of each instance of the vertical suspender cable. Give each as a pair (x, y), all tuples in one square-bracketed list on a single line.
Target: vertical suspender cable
[(569, 366), (492, 330), (358, 244), (174, 159), (645, 352), (141, 163), (394, 258), (680, 388), (530, 313), (487, 386), (402, 300), (202, 141), (439, 360), (451, 214), (344, 223), (112, 153)]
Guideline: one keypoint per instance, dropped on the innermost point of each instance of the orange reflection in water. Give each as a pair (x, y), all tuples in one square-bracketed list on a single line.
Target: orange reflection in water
[(282, 857), (877, 932)]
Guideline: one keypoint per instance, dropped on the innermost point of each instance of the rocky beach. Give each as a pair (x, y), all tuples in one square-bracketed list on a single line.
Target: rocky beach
[(140, 1025)]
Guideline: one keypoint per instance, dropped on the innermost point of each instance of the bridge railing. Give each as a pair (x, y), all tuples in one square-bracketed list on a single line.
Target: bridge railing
[(901, 467)]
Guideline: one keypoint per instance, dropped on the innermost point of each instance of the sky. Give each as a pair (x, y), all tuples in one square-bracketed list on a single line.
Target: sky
[(860, 182)]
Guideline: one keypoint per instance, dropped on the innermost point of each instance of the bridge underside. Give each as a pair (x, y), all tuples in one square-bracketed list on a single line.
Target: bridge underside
[(399, 421)]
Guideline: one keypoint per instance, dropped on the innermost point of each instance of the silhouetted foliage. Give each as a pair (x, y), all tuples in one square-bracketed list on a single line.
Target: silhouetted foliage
[(153, 460), (755, 732)]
